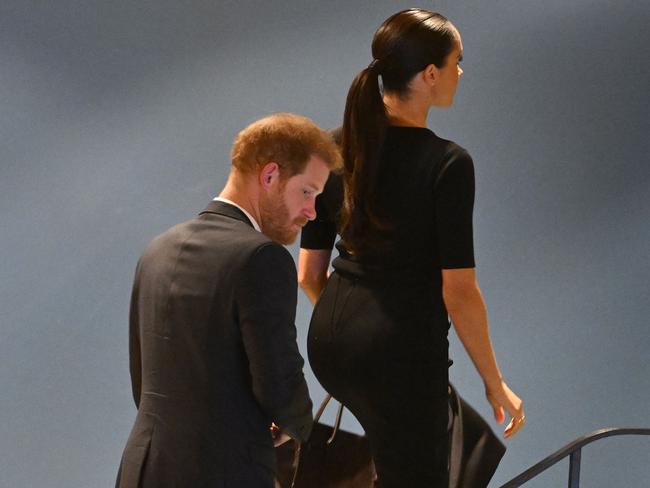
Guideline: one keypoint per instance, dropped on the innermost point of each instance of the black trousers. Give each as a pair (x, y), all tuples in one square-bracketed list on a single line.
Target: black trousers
[(378, 350)]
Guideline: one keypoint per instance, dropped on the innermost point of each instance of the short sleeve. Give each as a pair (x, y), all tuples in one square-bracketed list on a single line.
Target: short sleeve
[(454, 206), (321, 232)]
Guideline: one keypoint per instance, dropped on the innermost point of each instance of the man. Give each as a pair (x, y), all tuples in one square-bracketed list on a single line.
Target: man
[(214, 360)]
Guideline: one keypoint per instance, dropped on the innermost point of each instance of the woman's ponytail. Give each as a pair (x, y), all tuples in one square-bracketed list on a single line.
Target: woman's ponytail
[(364, 129)]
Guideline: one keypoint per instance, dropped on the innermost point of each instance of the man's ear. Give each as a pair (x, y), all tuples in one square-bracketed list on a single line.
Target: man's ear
[(269, 175)]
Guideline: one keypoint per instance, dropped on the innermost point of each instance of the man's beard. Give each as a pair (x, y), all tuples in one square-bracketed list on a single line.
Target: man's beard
[(276, 223)]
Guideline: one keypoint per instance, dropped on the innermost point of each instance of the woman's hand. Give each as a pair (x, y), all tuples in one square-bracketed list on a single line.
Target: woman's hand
[(503, 399)]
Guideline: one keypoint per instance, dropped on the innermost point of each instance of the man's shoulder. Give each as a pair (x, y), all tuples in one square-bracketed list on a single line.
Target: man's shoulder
[(269, 270), (234, 237), (208, 234), (269, 256)]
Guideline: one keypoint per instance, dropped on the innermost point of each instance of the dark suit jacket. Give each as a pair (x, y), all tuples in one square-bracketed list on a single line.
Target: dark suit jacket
[(213, 356)]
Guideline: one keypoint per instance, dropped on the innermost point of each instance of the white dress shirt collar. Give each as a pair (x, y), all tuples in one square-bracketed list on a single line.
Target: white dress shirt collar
[(256, 226)]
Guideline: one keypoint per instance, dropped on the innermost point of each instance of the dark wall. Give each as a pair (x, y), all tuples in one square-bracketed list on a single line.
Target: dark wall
[(117, 120)]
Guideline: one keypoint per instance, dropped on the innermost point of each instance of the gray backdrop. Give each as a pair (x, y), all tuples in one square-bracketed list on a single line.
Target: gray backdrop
[(117, 120)]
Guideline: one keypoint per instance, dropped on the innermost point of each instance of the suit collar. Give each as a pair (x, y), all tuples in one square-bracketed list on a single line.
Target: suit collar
[(223, 208)]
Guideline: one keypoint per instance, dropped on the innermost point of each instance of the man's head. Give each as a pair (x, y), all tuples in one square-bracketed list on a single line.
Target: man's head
[(288, 159)]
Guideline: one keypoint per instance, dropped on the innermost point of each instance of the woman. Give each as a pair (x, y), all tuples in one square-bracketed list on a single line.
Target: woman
[(378, 336)]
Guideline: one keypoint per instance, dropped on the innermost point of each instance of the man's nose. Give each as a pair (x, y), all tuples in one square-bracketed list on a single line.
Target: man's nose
[(310, 211)]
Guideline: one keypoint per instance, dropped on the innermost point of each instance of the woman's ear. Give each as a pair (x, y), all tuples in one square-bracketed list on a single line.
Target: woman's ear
[(269, 175), (431, 74)]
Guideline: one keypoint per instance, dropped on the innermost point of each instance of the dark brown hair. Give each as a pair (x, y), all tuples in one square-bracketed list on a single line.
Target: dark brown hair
[(405, 44), (287, 139)]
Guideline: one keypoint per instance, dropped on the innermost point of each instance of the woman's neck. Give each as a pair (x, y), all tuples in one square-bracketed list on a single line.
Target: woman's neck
[(408, 112)]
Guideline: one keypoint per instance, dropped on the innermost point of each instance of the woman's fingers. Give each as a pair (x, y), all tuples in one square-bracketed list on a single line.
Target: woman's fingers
[(515, 425)]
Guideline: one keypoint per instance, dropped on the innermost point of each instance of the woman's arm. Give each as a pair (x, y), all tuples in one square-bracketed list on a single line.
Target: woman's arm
[(313, 265), (468, 313)]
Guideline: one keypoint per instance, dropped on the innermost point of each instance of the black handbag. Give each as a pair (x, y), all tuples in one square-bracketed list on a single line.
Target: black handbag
[(335, 458), (331, 458), (474, 450)]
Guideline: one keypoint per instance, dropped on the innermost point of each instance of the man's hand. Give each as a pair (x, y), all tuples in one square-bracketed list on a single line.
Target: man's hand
[(279, 437)]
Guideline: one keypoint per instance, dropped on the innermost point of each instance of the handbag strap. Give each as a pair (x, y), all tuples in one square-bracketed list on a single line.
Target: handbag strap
[(335, 429), (337, 421), (321, 409)]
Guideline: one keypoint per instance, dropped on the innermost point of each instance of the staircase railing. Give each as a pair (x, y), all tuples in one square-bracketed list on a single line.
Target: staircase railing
[(574, 451)]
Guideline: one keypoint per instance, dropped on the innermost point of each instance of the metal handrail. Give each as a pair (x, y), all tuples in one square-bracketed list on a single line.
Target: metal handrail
[(574, 451)]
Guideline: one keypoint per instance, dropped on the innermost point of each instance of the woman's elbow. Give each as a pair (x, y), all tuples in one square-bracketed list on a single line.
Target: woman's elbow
[(308, 282), (304, 281)]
